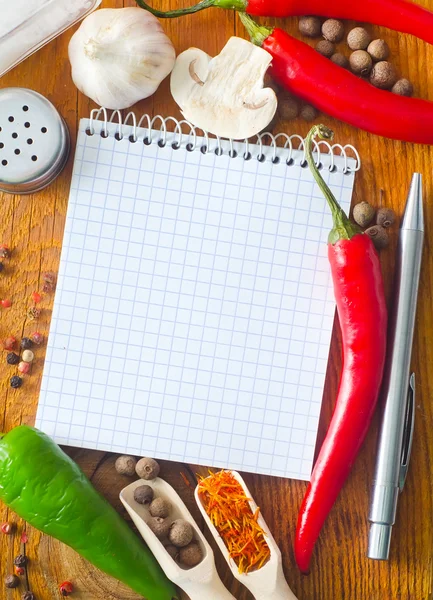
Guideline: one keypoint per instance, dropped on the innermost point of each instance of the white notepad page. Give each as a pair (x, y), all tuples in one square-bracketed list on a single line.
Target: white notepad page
[(194, 306)]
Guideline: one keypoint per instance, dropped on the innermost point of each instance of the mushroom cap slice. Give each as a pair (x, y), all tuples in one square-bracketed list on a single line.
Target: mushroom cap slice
[(224, 95)]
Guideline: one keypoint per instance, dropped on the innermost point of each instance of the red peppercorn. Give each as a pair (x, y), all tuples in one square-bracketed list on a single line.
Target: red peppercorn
[(4, 251), (24, 367), (36, 297), (5, 303), (9, 343), (24, 537), (7, 528), (19, 570), (66, 588), (37, 338)]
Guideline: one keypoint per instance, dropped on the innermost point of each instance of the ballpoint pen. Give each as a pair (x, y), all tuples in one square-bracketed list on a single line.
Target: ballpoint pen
[(395, 438)]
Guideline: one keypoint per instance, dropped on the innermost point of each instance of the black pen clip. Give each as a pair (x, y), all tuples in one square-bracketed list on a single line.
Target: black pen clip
[(409, 424)]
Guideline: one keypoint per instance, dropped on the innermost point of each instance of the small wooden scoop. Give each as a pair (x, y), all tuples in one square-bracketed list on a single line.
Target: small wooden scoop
[(201, 582), (267, 583)]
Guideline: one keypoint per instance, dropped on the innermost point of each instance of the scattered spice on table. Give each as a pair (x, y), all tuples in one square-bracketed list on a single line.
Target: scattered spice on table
[(7, 528), (124, 465), (28, 596), (37, 338), (4, 251), (147, 468), (33, 313), (6, 303), (12, 581), (230, 512), (20, 560), (24, 367), (28, 356), (26, 343), (49, 280), (12, 358), (16, 382), (19, 570), (9, 343), (66, 588), (36, 297)]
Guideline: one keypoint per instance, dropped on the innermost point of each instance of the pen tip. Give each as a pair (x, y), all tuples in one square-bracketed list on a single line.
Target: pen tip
[(414, 215)]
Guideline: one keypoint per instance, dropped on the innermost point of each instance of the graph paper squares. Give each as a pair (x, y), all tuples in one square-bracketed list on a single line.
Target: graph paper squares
[(194, 308)]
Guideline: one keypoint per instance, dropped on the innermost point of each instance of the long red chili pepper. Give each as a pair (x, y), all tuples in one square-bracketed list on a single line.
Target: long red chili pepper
[(400, 15), (339, 93), (362, 313)]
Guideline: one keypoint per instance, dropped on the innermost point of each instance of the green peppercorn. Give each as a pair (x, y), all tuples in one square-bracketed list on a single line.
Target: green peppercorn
[(12, 358)]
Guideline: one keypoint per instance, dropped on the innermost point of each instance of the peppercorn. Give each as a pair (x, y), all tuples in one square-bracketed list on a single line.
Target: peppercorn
[(160, 527), (340, 60), (33, 313), (325, 48), (12, 358), (7, 528), (147, 468), (37, 338), (28, 356), (308, 113), (19, 570), (49, 280), (9, 343), (26, 343), (288, 107), (385, 217), (402, 87), (28, 596), (160, 508), (191, 555), (4, 251), (6, 303), (66, 588), (379, 236), (143, 494), (12, 581), (24, 367), (172, 550), (360, 62), (310, 26), (181, 533), (125, 465), (16, 382), (363, 214), (383, 75), (333, 30), (378, 50), (20, 560), (358, 38)]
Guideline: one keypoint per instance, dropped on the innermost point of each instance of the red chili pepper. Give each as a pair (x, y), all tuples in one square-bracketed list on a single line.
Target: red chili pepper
[(362, 313), (339, 93), (400, 15)]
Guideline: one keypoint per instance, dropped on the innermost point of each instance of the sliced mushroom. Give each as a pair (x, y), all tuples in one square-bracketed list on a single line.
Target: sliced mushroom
[(225, 95)]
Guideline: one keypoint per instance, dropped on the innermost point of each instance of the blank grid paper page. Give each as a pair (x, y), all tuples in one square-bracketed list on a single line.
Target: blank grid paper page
[(194, 307)]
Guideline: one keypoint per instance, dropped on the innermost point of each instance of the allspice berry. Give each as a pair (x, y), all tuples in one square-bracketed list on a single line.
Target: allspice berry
[(363, 214), (143, 494), (310, 26), (160, 527), (383, 75), (402, 87), (358, 38), (379, 236), (181, 533), (385, 217), (378, 50), (340, 60), (191, 555), (309, 113), (125, 465), (333, 30), (325, 48), (360, 62), (12, 581), (288, 107), (147, 468), (173, 551), (160, 508)]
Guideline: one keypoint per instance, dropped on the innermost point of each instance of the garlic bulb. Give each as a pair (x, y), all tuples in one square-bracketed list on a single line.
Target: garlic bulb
[(120, 56)]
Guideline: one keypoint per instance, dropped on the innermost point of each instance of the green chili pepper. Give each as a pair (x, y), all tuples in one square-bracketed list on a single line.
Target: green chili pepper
[(47, 489)]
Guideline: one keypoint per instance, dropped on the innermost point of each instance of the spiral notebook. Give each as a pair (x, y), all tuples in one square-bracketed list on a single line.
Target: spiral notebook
[(194, 305)]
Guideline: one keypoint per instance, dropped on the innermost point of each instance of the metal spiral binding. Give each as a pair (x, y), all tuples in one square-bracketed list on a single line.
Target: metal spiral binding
[(291, 143)]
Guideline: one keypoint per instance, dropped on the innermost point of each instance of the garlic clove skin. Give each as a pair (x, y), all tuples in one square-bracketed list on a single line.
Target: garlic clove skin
[(120, 56), (224, 95)]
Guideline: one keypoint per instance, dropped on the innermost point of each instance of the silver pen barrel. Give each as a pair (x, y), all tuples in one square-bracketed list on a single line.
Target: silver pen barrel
[(386, 482)]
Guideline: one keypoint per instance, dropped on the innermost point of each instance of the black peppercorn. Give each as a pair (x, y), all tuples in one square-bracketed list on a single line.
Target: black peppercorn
[(16, 382), (26, 343), (12, 581), (28, 596), (12, 358), (20, 560)]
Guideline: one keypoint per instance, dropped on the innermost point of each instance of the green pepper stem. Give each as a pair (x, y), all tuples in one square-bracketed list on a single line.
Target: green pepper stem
[(258, 33), (180, 12), (343, 228)]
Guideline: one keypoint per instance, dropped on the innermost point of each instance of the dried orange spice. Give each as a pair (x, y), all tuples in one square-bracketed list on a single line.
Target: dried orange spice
[(228, 507)]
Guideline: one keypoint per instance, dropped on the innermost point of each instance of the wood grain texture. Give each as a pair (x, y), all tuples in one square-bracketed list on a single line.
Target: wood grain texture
[(33, 227)]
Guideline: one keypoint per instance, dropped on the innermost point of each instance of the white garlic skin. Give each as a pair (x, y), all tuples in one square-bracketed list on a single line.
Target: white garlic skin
[(120, 56)]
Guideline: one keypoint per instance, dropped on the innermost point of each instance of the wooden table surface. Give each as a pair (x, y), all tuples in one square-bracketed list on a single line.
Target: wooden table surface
[(33, 227)]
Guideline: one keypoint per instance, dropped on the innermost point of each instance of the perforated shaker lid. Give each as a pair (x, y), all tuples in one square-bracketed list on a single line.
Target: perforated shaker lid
[(34, 141)]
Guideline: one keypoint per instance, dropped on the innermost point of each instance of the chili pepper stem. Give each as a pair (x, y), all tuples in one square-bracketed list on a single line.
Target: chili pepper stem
[(258, 33), (229, 4), (343, 228)]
